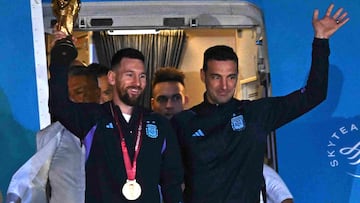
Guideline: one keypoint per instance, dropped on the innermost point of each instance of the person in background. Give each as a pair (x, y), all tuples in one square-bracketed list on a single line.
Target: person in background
[(67, 169), (168, 92), (133, 149), (276, 189), (105, 88), (83, 85), (60, 157), (223, 140)]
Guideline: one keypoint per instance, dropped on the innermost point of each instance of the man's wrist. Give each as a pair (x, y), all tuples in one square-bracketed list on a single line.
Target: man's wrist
[(321, 36)]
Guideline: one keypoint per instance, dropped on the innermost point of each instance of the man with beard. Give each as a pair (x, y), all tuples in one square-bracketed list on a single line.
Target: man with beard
[(133, 150)]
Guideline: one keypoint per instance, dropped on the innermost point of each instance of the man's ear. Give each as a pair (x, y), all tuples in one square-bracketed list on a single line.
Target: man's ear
[(152, 101), (111, 77), (186, 100), (202, 75)]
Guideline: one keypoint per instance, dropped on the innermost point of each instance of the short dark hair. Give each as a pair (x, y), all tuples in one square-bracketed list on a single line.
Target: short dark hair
[(126, 53), (168, 74), (220, 53), (79, 70), (98, 69)]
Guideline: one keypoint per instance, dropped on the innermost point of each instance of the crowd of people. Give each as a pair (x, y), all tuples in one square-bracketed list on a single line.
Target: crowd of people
[(104, 147)]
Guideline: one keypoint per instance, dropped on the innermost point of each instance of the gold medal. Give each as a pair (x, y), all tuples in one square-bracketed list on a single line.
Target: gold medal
[(131, 190)]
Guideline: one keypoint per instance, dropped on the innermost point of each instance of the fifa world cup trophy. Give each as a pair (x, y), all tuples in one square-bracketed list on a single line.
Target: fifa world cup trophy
[(66, 12)]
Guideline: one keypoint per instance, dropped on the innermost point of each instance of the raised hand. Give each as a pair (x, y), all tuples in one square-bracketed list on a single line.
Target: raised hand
[(324, 28), (58, 35)]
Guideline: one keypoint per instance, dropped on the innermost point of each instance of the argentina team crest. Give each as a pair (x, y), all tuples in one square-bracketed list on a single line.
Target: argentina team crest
[(238, 123), (151, 130)]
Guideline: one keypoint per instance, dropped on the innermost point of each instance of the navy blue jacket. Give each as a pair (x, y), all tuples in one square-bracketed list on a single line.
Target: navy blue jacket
[(223, 146), (159, 160)]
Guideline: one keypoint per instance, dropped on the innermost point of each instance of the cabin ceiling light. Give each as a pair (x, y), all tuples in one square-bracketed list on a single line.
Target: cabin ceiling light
[(133, 32)]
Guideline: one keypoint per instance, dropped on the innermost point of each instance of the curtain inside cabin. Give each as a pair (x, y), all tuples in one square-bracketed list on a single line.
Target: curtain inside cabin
[(160, 50)]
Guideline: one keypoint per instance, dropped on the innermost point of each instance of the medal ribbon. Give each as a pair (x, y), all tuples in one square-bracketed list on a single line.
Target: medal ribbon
[(130, 167)]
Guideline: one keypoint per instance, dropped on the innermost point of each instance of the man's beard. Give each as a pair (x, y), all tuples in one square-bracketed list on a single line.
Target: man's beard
[(125, 98)]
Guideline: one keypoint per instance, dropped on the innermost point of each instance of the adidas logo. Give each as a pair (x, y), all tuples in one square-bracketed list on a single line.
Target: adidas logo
[(109, 125), (198, 133)]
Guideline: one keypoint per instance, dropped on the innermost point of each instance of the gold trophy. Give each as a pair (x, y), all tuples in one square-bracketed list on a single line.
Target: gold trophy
[(66, 12)]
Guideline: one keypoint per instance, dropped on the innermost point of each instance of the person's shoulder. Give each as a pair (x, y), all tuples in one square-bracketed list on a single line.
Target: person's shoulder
[(270, 174), (198, 107), (267, 168), (154, 120), (53, 126), (105, 108), (183, 116), (50, 130), (155, 115), (188, 112), (47, 133)]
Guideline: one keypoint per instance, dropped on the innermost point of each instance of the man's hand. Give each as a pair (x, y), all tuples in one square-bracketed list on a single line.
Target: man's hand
[(57, 35), (63, 49), (328, 25)]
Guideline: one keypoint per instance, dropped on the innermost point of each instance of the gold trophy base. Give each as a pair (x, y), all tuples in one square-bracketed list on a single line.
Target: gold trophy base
[(65, 49)]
